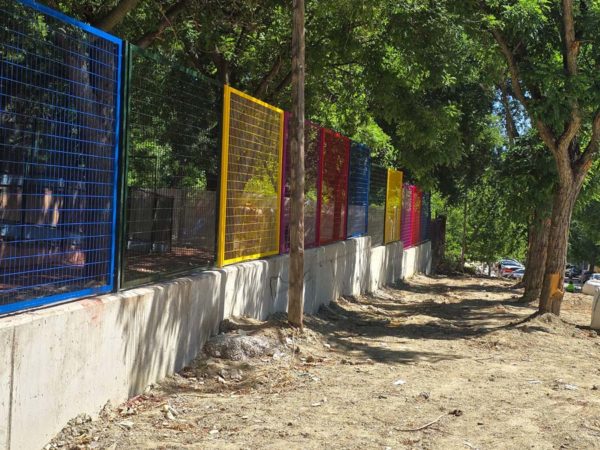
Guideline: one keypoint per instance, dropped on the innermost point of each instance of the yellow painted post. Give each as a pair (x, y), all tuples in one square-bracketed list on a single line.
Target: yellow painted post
[(224, 168)]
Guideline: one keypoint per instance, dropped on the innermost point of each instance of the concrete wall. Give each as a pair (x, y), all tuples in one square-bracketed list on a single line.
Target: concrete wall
[(64, 360)]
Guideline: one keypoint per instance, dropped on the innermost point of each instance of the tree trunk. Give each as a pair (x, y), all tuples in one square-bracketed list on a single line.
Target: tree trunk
[(296, 273), (463, 249), (558, 239), (536, 257), (438, 242)]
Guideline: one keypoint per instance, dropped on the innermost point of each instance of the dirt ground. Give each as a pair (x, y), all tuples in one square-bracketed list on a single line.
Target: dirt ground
[(438, 363)]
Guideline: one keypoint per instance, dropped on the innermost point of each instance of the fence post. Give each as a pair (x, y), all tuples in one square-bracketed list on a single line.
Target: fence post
[(123, 164)]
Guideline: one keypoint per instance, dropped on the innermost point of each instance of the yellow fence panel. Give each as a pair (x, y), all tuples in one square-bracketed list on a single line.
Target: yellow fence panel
[(251, 166), (393, 206)]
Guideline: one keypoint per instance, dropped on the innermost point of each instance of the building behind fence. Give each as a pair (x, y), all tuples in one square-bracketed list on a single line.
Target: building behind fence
[(118, 168)]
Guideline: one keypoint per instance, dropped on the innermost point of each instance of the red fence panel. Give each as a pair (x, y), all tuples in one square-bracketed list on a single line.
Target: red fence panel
[(333, 192), (417, 196), (406, 224)]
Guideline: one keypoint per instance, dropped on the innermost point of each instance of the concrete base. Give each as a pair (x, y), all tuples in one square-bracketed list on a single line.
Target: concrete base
[(68, 359)]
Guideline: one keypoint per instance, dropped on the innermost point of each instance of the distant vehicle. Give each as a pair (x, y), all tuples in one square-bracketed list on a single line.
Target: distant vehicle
[(591, 285), (517, 274), (572, 272), (508, 266), (585, 276)]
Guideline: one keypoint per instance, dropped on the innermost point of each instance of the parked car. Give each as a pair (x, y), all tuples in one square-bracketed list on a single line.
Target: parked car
[(517, 274), (585, 276), (572, 272), (591, 285), (508, 266)]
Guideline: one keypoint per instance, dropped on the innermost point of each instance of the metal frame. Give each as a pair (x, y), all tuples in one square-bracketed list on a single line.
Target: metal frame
[(221, 261), (130, 50), (73, 295), (390, 175)]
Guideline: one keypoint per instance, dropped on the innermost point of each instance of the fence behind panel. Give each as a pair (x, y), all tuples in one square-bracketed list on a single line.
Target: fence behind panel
[(377, 196), (425, 216), (59, 127), (393, 206), (358, 190), (173, 161), (251, 178), (333, 187), (312, 142), (416, 216)]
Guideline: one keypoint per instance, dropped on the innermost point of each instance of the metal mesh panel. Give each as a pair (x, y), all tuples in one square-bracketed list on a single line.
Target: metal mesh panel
[(59, 103), (416, 216), (393, 206), (406, 224), (173, 159), (358, 189), (251, 188), (334, 187), (425, 216), (312, 134), (377, 196)]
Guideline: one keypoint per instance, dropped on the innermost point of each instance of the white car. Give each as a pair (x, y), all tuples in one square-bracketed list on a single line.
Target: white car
[(517, 274), (591, 285)]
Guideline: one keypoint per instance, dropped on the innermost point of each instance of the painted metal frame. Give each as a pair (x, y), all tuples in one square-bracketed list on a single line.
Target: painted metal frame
[(221, 261), (73, 295)]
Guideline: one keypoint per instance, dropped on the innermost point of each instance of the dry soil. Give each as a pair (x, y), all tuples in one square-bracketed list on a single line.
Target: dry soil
[(437, 363)]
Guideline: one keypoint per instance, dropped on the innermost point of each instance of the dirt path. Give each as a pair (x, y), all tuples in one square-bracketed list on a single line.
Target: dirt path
[(438, 363)]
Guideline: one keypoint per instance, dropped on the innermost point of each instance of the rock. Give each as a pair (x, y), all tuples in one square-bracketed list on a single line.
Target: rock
[(399, 382), (126, 424), (237, 348), (425, 395), (595, 387), (213, 432)]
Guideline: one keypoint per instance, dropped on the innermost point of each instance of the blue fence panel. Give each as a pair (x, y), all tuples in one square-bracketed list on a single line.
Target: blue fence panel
[(358, 190), (59, 132)]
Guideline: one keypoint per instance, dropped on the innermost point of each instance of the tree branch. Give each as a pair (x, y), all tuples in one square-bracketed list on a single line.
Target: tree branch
[(264, 83), (167, 21), (511, 129), (513, 68), (585, 160), (116, 15), (571, 45)]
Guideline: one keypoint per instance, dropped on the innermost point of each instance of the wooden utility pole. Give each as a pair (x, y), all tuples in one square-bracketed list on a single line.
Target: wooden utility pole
[(296, 135)]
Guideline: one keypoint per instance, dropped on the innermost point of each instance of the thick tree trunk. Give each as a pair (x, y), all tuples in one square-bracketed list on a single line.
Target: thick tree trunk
[(536, 257), (558, 239), (296, 273)]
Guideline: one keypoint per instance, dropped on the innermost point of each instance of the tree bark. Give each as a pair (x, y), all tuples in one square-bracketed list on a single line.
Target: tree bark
[(167, 21), (558, 239), (116, 15), (536, 257), (463, 249), (296, 273)]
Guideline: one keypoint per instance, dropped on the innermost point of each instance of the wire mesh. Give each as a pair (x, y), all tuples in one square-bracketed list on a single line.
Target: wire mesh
[(172, 160), (393, 206), (59, 103), (377, 197), (311, 162), (358, 190), (425, 216), (251, 186), (416, 216), (333, 187), (406, 222)]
